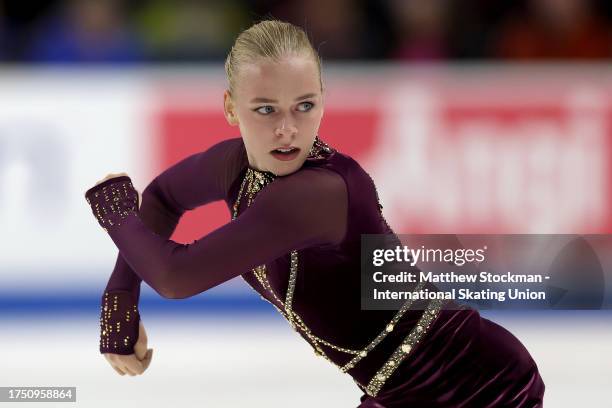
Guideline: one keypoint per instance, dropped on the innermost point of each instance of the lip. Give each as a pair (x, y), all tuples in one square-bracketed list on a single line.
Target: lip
[(285, 147), (284, 156)]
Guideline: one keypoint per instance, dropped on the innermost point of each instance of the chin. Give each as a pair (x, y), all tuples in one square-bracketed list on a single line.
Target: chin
[(284, 170)]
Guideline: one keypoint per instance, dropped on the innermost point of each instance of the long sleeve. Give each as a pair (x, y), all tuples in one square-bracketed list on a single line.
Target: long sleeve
[(306, 208), (196, 180), (199, 179)]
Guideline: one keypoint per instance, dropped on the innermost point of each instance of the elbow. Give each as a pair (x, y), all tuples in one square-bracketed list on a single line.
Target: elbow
[(167, 292), (172, 293), (178, 278), (169, 286), (163, 284)]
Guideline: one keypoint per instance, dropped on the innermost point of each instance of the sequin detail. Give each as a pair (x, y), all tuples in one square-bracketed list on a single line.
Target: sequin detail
[(253, 182), (405, 348), (388, 329), (319, 150), (119, 323), (112, 201)]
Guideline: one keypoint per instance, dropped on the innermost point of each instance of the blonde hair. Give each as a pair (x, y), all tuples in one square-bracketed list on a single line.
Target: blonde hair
[(272, 39)]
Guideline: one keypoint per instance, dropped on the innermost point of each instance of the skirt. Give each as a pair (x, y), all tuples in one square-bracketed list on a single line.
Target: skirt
[(464, 360)]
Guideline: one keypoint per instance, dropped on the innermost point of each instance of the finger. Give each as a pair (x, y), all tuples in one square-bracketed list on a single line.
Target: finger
[(112, 360), (128, 371), (142, 333), (118, 370), (133, 365), (110, 176), (147, 360), (140, 350)]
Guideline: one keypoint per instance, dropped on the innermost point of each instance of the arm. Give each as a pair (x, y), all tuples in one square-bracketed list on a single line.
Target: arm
[(164, 201), (196, 180), (306, 208)]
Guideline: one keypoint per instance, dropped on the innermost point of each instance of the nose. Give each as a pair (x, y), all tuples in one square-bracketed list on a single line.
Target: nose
[(285, 129)]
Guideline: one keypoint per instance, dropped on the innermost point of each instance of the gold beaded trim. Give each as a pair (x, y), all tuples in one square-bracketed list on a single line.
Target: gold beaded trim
[(388, 329), (254, 181), (408, 344), (290, 286), (118, 190), (319, 149), (106, 325)]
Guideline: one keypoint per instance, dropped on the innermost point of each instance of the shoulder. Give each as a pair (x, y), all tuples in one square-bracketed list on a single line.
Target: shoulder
[(232, 143), (315, 190), (227, 148), (207, 173), (311, 201), (316, 181), (350, 169)]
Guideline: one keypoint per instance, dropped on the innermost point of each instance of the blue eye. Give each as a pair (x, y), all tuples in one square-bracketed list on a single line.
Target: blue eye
[(259, 110), (309, 107)]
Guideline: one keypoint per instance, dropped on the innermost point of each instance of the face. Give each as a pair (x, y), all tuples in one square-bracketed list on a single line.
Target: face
[(277, 105)]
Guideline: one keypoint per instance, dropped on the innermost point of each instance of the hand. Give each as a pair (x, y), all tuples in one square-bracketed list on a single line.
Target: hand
[(112, 175), (132, 364)]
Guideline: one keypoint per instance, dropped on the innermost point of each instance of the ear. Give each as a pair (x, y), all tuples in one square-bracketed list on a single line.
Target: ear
[(229, 109), (323, 96), (322, 105)]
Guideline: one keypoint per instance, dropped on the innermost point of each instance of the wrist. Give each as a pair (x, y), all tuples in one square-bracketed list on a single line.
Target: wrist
[(119, 322), (107, 183), (112, 201)]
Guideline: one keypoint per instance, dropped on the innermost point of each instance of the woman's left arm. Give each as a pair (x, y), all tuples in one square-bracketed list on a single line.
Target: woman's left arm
[(306, 208)]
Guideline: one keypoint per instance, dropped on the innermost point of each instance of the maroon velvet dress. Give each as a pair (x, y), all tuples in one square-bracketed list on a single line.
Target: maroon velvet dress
[(296, 240)]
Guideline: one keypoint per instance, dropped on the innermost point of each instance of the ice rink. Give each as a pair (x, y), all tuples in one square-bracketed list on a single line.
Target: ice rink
[(255, 360), (480, 149)]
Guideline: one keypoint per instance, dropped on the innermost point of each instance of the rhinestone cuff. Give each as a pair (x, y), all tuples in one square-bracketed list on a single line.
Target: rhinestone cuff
[(112, 201), (119, 323)]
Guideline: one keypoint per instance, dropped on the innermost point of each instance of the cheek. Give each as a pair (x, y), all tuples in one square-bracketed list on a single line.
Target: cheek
[(253, 121), (309, 122), (255, 134), (253, 131)]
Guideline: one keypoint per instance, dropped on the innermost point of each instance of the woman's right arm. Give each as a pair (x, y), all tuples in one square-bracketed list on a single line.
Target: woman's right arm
[(199, 179)]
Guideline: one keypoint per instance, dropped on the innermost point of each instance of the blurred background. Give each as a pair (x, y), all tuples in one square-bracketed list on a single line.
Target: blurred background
[(164, 31), (471, 116)]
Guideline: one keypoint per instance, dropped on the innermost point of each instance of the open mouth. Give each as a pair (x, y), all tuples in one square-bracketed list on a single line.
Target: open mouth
[(285, 154)]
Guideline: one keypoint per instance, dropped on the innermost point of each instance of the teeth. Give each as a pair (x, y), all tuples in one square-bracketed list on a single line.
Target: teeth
[(285, 150)]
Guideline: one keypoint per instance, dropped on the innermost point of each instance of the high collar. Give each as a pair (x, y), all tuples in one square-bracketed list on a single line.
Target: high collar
[(257, 179), (320, 151)]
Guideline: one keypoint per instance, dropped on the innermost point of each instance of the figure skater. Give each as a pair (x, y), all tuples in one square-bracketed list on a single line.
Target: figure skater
[(298, 207)]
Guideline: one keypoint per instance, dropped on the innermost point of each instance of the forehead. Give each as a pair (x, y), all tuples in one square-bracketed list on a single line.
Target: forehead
[(287, 78)]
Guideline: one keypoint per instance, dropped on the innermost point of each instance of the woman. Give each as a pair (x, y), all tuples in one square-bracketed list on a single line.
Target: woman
[(298, 208)]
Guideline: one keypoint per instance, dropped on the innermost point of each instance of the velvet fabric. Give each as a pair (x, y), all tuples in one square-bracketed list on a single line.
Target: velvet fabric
[(321, 210)]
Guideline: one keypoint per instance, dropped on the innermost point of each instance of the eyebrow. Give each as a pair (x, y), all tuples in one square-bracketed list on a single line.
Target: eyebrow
[(266, 100)]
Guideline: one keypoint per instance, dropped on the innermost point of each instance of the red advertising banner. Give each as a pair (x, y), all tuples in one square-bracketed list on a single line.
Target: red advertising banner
[(448, 153)]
